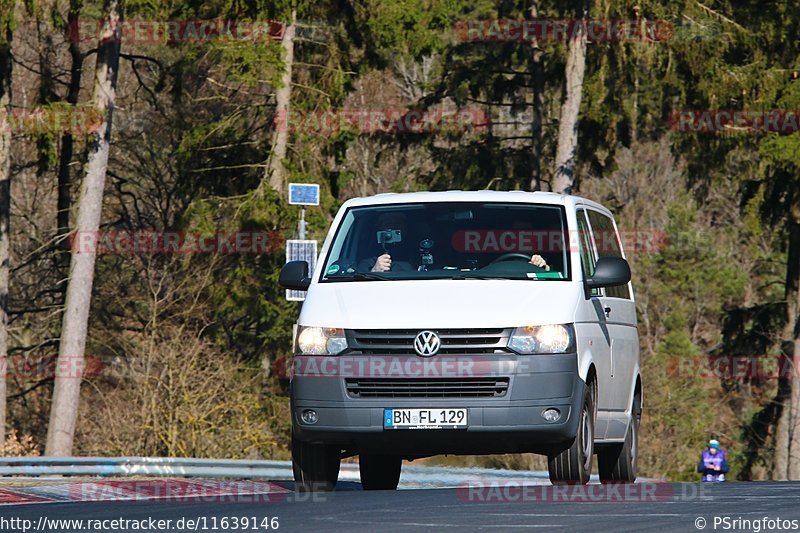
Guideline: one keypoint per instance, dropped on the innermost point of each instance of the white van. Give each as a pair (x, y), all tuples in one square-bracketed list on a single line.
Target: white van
[(466, 323)]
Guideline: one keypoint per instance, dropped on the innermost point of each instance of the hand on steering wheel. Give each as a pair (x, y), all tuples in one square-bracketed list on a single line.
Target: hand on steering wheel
[(536, 260), (510, 256)]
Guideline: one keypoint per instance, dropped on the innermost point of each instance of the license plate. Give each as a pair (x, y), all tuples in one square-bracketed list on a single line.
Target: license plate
[(424, 418)]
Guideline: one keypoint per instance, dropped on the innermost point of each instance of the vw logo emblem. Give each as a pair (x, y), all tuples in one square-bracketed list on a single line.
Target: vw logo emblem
[(427, 343)]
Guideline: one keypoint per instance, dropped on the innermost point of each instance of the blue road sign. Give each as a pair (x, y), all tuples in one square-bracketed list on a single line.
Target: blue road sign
[(304, 194)]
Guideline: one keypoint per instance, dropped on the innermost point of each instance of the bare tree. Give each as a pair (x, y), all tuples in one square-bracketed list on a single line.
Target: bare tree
[(564, 177), (537, 73), (276, 173), (67, 140), (787, 434), (5, 199), (66, 394)]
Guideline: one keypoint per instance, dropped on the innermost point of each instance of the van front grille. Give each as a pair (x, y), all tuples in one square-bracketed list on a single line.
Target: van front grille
[(486, 341), (427, 388)]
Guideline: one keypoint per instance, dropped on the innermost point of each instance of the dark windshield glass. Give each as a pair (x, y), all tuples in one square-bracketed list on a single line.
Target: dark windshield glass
[(449, 240)]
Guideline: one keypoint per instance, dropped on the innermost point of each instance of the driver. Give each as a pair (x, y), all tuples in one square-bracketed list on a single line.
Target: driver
[(536, 259), (383, 262)]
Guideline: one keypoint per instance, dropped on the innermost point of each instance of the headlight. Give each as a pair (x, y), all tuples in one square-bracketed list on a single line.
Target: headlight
[(320, 341), (555, 338)]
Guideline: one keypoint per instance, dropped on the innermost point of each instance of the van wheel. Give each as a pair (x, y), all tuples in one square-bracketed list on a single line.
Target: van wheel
[(574, 465), (617, 463), (379, 472), (315, 466)]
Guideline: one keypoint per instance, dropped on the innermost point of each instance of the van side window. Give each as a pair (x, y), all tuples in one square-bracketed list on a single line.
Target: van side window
[(607, 242), (586, 249)]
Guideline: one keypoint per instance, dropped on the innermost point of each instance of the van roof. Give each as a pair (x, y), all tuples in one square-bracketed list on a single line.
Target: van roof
[(537, 197)]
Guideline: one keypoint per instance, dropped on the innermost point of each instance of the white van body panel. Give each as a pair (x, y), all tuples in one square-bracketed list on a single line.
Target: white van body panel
[(470, 303)]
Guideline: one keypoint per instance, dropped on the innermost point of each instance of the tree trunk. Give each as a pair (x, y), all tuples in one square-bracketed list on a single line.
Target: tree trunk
[(66, 394), (276, 173), (5, 207), (794, 409), (564, 177), (67, 141), (787, 433), (537, 74)]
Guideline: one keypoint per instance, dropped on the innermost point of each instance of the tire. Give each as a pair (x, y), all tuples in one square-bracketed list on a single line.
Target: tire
[(315, 466), (379, 472), (573, 466), (617, 463)]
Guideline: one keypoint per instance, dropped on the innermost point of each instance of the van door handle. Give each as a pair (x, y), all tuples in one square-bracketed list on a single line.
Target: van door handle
[(607, 311)]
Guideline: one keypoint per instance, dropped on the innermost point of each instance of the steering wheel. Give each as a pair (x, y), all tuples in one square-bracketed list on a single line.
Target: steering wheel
[(509, 256)]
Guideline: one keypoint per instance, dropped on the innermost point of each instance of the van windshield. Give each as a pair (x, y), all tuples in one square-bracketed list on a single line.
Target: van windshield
[(455, 240)]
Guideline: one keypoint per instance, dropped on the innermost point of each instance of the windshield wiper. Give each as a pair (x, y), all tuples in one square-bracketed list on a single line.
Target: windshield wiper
[(369, 276), (479, 276)]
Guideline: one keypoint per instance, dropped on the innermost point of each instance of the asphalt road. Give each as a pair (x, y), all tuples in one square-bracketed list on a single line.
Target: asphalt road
[(665, 507)]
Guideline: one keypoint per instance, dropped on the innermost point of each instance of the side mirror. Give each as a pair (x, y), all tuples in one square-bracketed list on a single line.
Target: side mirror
[(609, 272), (294, 275)]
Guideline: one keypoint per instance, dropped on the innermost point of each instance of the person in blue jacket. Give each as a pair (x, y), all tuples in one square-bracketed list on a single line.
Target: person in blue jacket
[(712, 465)]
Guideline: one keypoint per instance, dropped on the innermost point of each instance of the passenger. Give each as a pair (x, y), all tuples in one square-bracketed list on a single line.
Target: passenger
[(383, 262), (712, 465)]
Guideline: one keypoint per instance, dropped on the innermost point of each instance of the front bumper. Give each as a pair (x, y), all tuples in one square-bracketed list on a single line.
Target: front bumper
[(509, 423)]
